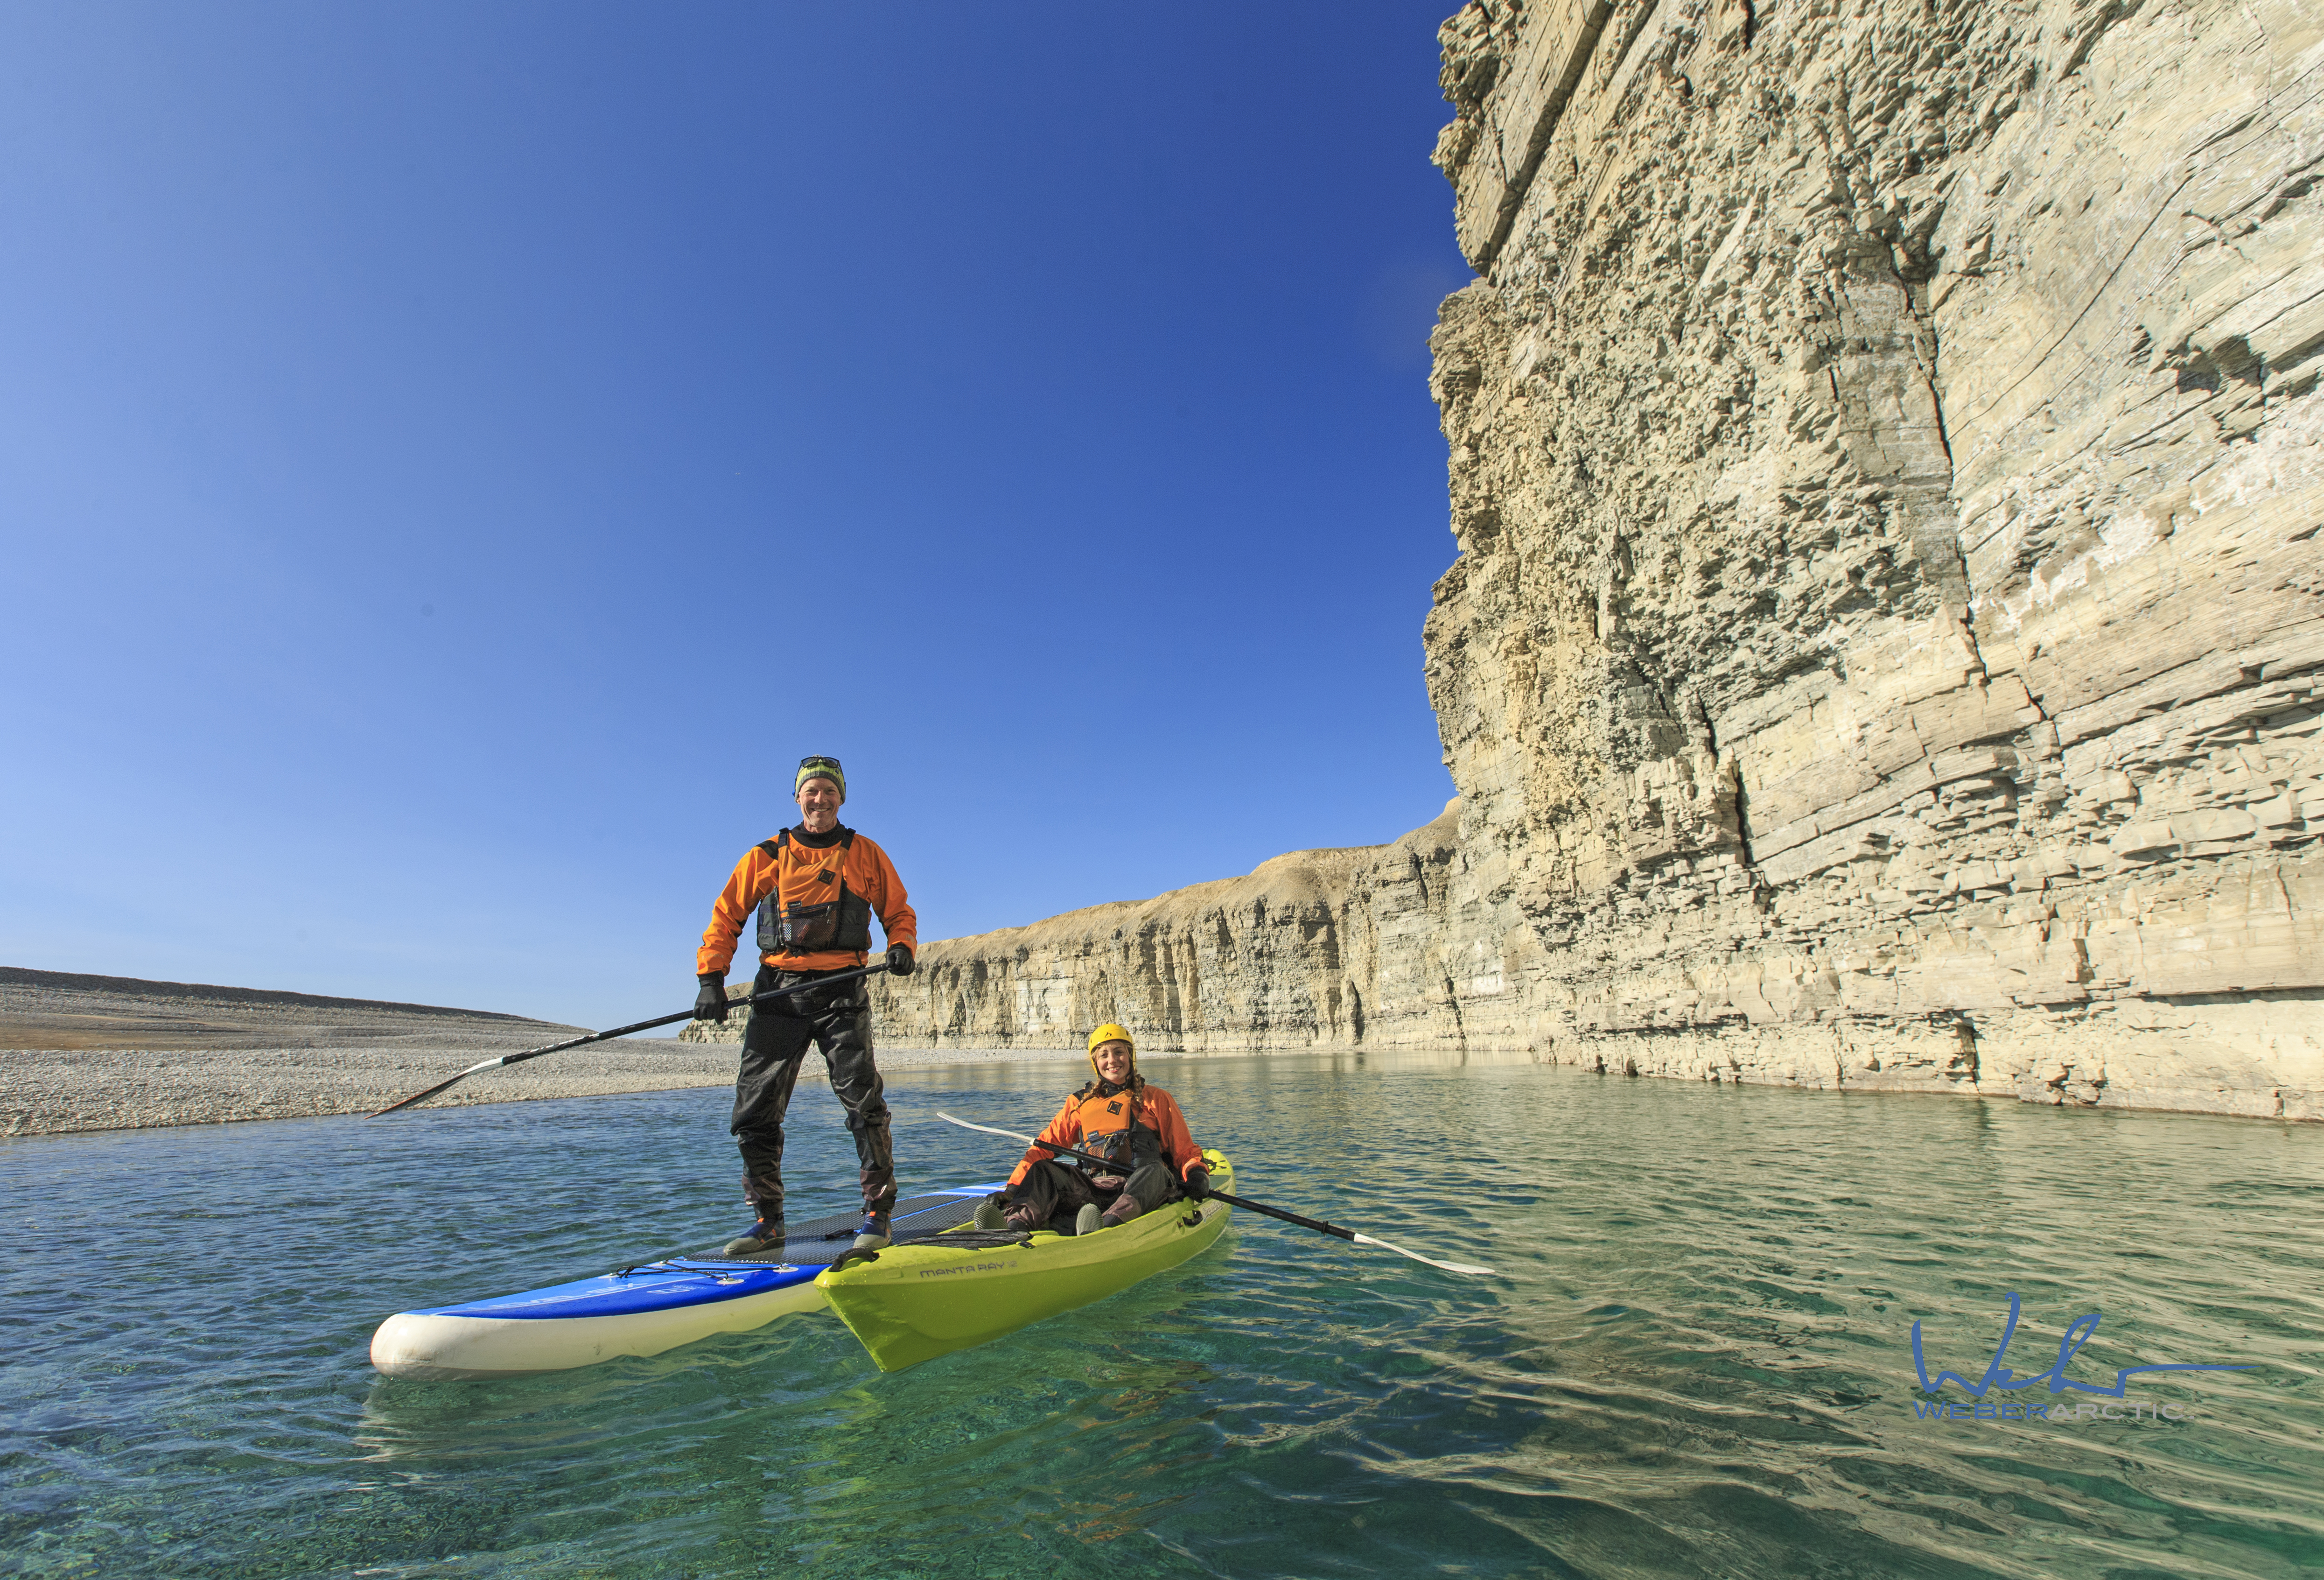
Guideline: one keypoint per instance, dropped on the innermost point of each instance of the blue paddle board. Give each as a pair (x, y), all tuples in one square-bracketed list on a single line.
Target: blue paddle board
[(645, 1309)]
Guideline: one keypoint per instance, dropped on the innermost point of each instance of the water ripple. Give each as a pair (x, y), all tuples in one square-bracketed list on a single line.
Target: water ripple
[(1693, 1358)]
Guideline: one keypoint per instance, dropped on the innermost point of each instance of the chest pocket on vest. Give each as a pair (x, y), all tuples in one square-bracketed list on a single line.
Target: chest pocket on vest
[(1111, 1132), (813, 927)]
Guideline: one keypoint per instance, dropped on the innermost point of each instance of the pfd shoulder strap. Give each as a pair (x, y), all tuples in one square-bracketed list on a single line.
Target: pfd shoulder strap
[(773, 847)]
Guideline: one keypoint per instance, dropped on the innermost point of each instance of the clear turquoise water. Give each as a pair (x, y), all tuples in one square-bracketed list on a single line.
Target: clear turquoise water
[(1695, 1360)]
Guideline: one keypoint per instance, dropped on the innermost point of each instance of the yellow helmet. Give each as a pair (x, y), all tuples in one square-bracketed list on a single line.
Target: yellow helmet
[(1112, 1032)]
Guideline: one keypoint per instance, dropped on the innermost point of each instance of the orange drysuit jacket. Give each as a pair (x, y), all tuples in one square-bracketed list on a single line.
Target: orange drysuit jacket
[(1089, 1122), (801, 878)]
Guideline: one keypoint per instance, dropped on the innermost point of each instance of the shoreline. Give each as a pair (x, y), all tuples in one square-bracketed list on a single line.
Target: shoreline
[(48, 1092), (90, 1092)]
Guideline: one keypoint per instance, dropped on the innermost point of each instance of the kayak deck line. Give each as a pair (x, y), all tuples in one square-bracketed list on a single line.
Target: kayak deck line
[(645, 1309), (917, 1300)]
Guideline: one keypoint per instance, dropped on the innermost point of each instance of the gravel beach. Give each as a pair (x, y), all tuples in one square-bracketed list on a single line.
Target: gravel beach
[(81, 1053)]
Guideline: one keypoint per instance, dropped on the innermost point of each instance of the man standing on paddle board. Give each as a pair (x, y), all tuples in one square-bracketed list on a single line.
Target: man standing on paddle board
[(1120, 1116), (816, 888)]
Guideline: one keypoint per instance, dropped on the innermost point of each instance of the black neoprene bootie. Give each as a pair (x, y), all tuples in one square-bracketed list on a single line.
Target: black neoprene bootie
[(759, 1238)]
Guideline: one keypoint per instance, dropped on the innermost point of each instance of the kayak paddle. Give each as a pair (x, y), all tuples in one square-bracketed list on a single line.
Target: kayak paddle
[(510, 1059), (1317, 1224)]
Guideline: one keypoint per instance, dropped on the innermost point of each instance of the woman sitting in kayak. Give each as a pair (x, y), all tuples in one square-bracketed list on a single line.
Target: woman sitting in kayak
[(1118, 1116)]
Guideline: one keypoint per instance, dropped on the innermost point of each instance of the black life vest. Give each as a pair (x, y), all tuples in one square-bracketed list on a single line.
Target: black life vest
[(1111, 1129), (811, 911)]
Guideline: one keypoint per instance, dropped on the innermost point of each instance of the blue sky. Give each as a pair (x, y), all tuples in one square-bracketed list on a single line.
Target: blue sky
[(455, 460)]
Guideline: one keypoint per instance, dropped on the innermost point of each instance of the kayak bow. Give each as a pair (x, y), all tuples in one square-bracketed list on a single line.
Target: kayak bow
[(914, 1302)]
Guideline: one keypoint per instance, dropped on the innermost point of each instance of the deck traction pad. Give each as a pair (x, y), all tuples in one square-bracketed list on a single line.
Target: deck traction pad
[(820, 1241)]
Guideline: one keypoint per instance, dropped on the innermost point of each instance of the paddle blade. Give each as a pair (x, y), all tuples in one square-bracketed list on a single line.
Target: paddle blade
[(988, 1130), (417, 1096), (489, 1064), (1450, 1267)]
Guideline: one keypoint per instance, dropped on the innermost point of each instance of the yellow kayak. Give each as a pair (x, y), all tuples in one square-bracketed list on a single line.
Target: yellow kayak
[(966, 1287)]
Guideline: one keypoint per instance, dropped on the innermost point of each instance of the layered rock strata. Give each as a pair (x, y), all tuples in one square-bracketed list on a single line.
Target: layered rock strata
[(1320, 947), (1885, 646)]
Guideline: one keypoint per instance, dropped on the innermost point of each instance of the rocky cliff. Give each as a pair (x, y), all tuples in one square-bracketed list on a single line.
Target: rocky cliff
[(1885, 647), (1884, 644), (1320, 947)]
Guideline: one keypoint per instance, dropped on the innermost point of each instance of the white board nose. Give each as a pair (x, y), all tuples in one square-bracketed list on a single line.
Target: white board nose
[(436, 1346)]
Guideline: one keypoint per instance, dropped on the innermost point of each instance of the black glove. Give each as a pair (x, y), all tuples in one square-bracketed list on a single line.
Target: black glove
[(899, 960), (710, 1003), (1198, 1183)]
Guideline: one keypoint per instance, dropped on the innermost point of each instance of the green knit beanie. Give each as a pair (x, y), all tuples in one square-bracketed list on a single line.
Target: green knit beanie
[(820, 768)]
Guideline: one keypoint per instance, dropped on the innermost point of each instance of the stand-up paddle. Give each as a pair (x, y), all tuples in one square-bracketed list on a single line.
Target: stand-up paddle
[(510, 1059), (1317, 1224)]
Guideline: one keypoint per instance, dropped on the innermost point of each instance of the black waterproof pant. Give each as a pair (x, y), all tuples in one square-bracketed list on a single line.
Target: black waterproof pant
[(838, 1022), (1052, 1188)]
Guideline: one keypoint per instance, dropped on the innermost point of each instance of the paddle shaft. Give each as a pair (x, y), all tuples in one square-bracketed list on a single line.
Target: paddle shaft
[(1317, 1224), (509, 1059)]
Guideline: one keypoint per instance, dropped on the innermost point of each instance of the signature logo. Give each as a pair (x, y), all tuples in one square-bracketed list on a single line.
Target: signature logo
[(2000, 1376)]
